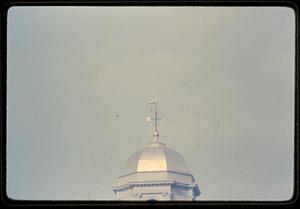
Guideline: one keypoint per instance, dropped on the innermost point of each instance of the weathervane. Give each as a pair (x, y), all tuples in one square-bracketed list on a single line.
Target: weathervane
[(156, 118)]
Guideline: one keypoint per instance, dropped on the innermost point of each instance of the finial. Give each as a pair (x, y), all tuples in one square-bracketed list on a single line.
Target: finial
[(156, 118)]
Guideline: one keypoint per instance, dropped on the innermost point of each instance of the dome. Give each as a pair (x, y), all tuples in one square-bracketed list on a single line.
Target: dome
[(156, 173), (155, 157)]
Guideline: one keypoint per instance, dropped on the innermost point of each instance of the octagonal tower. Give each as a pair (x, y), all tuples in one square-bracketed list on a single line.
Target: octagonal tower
[(156, 173)]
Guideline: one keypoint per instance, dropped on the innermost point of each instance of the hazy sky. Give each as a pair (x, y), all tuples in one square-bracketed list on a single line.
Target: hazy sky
[(79, 82)]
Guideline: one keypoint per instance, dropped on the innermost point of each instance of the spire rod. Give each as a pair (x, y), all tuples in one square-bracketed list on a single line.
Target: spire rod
[(156, 118)]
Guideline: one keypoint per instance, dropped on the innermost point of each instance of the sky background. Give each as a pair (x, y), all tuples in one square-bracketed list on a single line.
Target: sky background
[(79, 82)]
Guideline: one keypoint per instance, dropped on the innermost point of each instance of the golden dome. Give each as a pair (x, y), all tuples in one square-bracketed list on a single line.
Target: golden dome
[(155, 157)]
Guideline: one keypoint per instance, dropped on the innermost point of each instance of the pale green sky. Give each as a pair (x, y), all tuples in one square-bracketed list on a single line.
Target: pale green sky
[(225, 77)]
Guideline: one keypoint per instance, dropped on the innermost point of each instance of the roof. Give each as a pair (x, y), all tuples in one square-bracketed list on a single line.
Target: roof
[(155, 157)]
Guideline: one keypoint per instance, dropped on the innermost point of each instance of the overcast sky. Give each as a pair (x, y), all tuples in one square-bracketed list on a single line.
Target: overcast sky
[(79, 82)]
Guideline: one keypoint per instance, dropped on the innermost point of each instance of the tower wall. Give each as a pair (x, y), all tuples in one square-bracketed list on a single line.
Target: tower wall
[(156, 186)]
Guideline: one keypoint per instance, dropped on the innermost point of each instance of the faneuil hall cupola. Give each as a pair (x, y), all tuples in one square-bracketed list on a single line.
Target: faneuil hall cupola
[(156, 172)]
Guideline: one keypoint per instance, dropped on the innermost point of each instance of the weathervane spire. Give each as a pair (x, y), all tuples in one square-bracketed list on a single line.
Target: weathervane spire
[(156, 118)]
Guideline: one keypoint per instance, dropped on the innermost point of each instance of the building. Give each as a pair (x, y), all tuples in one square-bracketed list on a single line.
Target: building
[(156, 172)]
